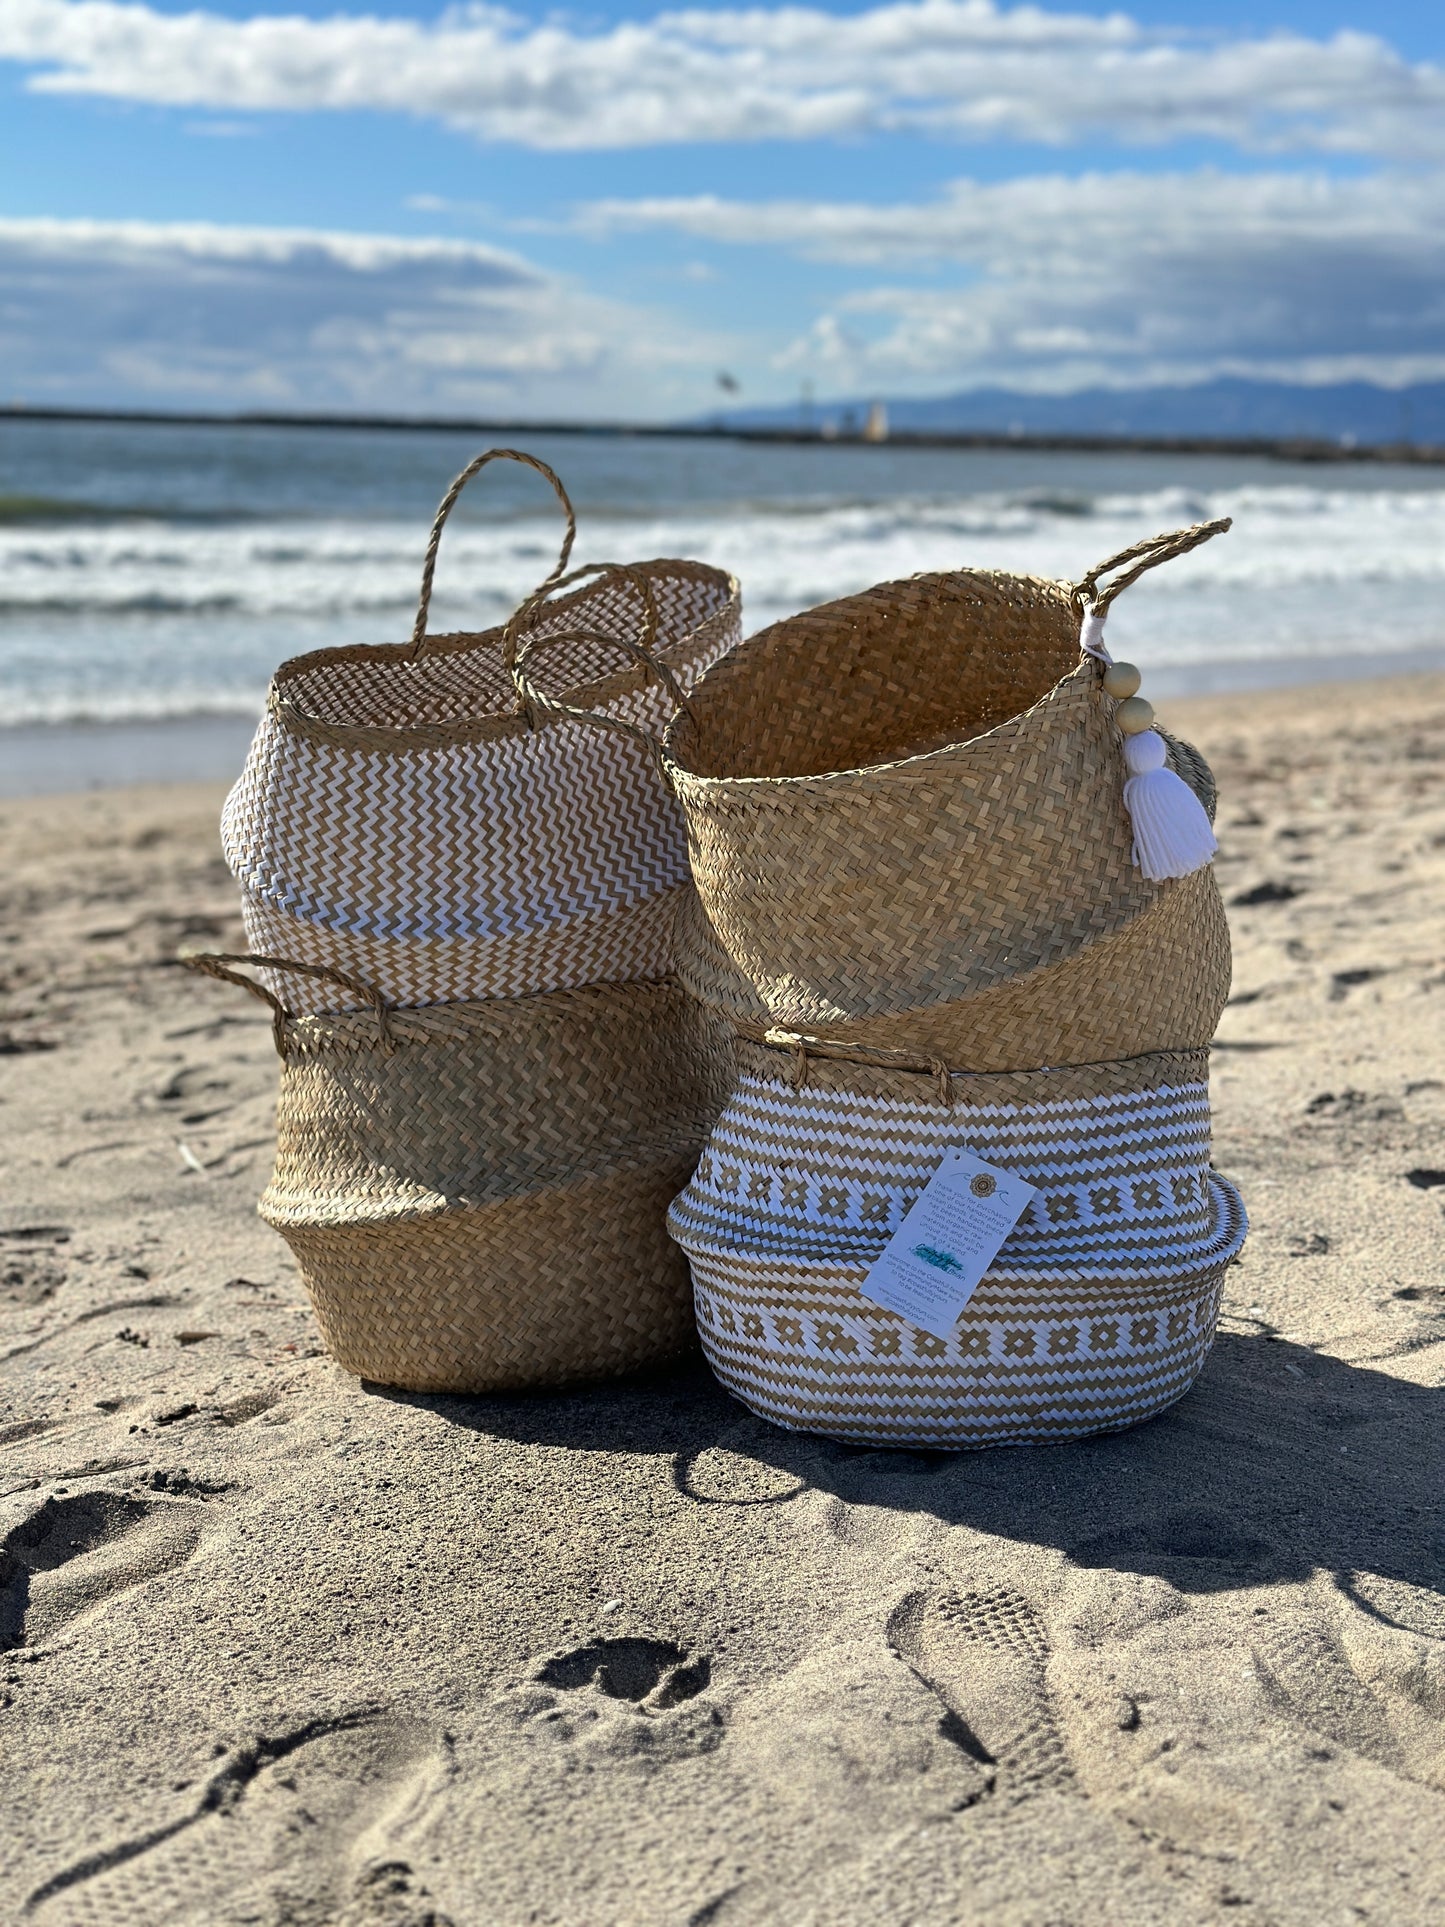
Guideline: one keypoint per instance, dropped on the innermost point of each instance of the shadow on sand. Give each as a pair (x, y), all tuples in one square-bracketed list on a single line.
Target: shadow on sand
[(1281, 1461)]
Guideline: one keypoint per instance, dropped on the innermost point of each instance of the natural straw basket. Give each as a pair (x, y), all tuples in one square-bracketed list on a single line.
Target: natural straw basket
[(905, 821), (476, 1193), (917, 902), (404, 817)]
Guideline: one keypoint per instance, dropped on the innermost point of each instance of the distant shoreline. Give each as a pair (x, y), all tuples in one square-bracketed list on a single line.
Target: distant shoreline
[(1267, 447), (46, 759)]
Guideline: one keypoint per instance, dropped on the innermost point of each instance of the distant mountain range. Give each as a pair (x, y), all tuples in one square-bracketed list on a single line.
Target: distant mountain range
[(1358, 411)]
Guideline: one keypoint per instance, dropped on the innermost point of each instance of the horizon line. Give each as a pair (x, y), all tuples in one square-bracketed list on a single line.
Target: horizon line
[(1296, 448)]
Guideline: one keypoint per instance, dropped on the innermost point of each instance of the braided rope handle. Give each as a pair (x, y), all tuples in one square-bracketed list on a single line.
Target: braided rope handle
[(1148, 554), (449, 502), (643, 652), (514, 646), (800, 1047), (214, 963)]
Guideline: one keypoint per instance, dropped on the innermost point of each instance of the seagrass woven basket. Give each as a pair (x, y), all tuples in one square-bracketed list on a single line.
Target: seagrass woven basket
[(476, 1193), (1098, 1311), (905, 823), (920, 904), (405, 816)]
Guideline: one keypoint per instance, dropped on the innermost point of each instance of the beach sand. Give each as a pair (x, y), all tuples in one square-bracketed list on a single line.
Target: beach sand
[(280, 1647)]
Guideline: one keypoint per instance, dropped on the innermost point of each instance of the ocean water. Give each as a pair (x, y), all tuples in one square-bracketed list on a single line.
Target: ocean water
[(160, 572)]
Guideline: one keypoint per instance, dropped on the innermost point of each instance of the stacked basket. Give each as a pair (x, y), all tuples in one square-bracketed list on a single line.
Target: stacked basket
[(922, 905), (460, 899), (950, 890)]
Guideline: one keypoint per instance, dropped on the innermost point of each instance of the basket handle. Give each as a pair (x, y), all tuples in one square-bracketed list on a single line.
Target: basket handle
[(644, 652), (800, 1046), (449, 502), (214, 963), (1148, 555)]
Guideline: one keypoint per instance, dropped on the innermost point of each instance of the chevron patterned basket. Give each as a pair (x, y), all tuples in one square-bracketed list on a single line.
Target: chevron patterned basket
[(476, 1193), (405, 816), (921, 905)]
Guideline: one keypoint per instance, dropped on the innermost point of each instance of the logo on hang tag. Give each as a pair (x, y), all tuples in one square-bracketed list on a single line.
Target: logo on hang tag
[(930, 1267)]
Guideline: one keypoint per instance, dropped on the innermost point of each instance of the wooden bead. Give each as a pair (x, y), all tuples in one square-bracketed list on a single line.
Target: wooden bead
[(1134, 715), (1121, 679)]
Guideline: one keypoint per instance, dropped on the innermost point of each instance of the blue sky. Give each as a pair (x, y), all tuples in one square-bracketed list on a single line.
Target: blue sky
[(387, 206)]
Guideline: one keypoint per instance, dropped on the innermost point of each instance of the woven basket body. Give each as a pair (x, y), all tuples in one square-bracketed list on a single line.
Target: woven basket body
[(1098, 1311), (479, 1202), (911, 856), (399, 820), (906, 827)]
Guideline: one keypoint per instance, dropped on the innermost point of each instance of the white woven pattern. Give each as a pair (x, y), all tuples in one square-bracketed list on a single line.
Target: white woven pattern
[(1098, 1309), (477, 840), (521, 862), (617, 946), (1124, 1179), (797, 1345)]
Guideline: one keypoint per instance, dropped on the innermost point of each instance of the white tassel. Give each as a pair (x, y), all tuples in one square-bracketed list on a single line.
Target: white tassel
[(1172, 834)]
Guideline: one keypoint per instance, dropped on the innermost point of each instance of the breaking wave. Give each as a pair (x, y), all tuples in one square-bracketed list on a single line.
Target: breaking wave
[(137, 615)]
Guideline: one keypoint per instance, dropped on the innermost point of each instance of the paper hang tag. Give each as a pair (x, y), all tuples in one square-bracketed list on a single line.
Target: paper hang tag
[(930, 1267)]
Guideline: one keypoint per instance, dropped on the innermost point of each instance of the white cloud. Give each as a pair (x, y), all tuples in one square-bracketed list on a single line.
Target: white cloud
[(970, 69), (1112, 276), (221, 129), (273, 317)]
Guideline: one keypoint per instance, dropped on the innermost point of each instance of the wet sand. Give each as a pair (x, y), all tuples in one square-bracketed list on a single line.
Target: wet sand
[(278, 1647)]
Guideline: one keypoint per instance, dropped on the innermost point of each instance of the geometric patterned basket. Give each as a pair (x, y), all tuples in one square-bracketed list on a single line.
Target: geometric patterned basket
[(1097, 1312), (406, 818), (918, 906), (476, 1193)]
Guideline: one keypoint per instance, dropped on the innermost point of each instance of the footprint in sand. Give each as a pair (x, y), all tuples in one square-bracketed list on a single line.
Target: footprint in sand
[(27, 1428), (628, 1698), (985, 1655), (30, 1277), (1307, 1677), (1395, 1602), (1371, 1681), (854, 1739), (302, 1825), (241, 1411), (73, 1554), (651, 1670)]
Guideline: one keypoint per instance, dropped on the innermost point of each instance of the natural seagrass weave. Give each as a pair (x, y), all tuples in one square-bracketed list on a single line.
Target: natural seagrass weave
[(406, 816), (476, 1193), (1158, 982), (1098, 1311), (906, 827)]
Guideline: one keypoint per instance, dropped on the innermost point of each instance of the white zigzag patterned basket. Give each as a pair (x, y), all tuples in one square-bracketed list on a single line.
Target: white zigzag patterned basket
[(1098, 1311), (402, 819)]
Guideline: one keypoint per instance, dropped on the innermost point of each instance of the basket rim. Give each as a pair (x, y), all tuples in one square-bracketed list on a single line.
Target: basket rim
[(698, 783), (297, 720)]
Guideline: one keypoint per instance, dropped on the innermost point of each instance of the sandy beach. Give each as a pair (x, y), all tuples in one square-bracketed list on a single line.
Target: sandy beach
[(278, 1647)]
